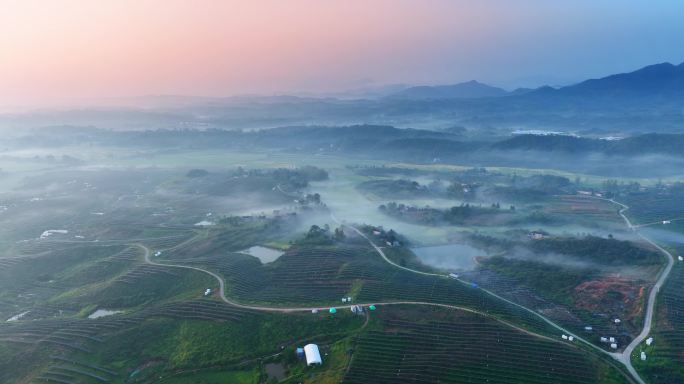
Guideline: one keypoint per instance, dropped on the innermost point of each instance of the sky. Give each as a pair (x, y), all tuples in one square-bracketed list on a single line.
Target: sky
[(67, 51)]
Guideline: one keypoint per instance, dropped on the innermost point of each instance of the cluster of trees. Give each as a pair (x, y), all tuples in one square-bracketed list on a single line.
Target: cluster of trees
[(395, 188), (608, 251), (427, 215), (311, 199), (551, 281), (323, 235), (265, 181), (477, 182)]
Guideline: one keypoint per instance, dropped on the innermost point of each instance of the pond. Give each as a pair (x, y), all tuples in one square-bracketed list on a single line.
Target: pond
[(266, 255), (102, 313), (452, 257)]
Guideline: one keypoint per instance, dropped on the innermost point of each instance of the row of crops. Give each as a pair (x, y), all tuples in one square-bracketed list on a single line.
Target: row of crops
[(584, 208), (653, 207), (464, 348), (323, 275), (72, 371), (570, 318), (665, 357), (69, 340)]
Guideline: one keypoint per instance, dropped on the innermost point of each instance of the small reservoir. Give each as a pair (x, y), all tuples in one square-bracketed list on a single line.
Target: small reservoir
[(265, 255), (452, 257)]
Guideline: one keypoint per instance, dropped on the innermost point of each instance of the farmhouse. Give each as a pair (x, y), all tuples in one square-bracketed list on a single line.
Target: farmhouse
[(536, 235), (313, 356)]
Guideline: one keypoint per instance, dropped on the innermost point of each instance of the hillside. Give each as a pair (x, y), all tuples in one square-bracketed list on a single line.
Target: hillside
[(467, 90)]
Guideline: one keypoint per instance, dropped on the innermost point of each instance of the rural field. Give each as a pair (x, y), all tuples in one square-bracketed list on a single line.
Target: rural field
[(341, 192), (212, 274)]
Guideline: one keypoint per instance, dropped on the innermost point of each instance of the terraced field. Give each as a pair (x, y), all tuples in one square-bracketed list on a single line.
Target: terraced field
[(434, 346)]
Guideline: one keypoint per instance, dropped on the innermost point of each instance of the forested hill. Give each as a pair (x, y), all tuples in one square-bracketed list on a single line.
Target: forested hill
[(665, 144)]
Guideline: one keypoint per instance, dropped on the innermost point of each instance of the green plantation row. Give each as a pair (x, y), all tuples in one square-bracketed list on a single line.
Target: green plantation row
[(435, 346), (664, 356)]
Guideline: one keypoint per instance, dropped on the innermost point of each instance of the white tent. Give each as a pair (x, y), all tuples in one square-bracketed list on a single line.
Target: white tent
[(313, 356)]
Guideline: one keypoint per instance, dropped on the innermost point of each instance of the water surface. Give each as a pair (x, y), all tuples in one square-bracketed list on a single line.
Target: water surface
[(452, 257), (266, 255)]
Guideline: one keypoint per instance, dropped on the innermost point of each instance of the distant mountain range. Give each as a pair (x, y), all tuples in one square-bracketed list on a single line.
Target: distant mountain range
[(650, 99), (654, 81)]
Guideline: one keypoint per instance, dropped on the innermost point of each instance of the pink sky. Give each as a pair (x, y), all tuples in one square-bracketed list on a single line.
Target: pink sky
[(56, 51)]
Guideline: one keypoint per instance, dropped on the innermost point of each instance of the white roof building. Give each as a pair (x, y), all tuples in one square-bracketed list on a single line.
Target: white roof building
[(313, 356), (643, 356), (649, 341), (613, 346)]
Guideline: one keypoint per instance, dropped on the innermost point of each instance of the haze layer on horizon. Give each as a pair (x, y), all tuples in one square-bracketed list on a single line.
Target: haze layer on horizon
[(68, 51)]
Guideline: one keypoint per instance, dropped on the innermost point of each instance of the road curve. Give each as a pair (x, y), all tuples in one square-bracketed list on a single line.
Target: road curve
[(625, 356), (535, 313), (225, 299)]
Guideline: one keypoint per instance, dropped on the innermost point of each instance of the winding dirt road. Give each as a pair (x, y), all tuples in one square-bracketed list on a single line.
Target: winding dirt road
[(624, 357), (224, 298)]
